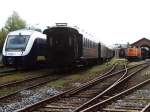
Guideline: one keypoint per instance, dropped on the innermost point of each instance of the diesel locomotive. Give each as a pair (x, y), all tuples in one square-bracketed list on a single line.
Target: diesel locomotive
[(133, 53)]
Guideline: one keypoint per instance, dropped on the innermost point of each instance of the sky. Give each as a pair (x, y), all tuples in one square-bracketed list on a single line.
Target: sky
[(108, 21)]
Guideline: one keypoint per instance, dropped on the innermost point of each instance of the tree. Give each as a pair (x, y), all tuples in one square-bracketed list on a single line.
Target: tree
[(3, 35), (14, 22)]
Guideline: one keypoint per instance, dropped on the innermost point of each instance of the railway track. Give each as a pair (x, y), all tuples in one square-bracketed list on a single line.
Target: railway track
[(146, 108), (17, 94), (72, 99), (22, 83), (99, 106), (25, 84), (100, 102), (35, 82)]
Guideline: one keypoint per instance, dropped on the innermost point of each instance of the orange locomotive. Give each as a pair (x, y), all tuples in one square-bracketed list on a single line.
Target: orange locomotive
[(133, 53)]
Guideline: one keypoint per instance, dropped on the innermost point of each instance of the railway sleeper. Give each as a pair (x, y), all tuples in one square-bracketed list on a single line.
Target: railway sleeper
[(59, 107), (63, 104), (121, 110), (88, 94), (51, 110)]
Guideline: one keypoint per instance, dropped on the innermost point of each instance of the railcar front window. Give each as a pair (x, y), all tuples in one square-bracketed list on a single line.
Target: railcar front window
[(17, 42)]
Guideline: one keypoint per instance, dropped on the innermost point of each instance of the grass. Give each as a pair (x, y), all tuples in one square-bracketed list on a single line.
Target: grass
[(16, 77), (10, 78), (21, 76), (83, 76), (5, 91)]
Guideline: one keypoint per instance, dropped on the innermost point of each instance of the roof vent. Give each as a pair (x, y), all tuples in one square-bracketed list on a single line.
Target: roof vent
[(61, 24)]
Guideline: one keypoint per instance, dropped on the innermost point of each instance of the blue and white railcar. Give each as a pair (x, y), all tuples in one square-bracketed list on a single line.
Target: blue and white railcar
[(24, 48)]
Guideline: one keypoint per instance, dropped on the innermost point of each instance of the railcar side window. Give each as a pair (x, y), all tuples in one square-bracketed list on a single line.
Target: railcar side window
[(40, 43)]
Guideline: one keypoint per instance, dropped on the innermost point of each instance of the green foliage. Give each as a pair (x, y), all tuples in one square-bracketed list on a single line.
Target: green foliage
[(3, 34), (14, 22)]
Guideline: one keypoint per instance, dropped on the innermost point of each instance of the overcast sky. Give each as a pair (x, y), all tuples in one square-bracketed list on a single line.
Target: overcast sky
[(109, 21)]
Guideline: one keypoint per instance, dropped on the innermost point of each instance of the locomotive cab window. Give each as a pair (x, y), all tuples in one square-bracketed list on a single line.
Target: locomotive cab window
[(17, 42)]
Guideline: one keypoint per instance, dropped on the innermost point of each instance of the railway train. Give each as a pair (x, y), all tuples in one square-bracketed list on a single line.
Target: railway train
[(68, 46), (133, 53), (57, 46), (24, 48)]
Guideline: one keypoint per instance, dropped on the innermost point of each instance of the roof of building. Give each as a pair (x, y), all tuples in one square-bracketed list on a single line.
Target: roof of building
[(141, 42)]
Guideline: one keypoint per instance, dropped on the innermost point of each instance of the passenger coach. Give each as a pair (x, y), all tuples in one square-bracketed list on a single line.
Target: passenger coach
[(67, 46)]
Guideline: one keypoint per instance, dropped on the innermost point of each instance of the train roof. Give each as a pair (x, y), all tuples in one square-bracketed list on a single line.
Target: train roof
[(23, 32), (46, 31), (61, 26)]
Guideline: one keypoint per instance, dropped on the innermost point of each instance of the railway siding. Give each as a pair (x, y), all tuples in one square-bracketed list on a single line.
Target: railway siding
[(80, 99), (138, 99), (31, 96), (127, 88)]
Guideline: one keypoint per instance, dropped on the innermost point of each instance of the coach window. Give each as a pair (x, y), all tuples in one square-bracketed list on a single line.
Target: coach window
[(83, 42), (90, 44), (70, 41), (86, 43), (94, 45), (50, 41)]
